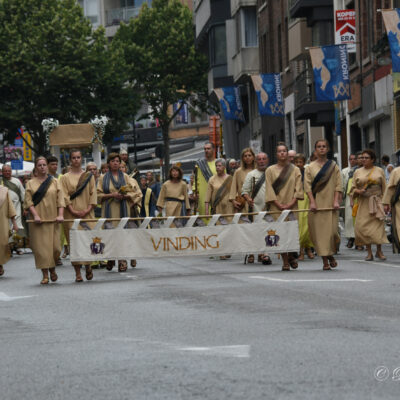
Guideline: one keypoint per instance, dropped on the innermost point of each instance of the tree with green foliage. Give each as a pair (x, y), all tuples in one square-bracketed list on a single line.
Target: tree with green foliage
[(54, 65), (158, 48)]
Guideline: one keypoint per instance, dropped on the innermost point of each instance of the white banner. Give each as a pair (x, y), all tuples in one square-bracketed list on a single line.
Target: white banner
[(120, 243)]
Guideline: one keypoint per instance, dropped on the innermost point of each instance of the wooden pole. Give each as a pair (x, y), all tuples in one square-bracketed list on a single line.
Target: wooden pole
[(48, 221)]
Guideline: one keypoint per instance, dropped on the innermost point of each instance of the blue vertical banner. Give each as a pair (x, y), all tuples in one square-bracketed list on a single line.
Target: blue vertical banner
[(331, 72), (231, 103), (182, 117), (268, 88), (17, 157), (391, 19)]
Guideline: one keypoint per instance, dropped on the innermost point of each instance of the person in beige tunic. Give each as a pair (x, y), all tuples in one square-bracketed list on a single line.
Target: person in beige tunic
[(174, 196), (283, 187), (117, 193), (78, 205), (247, 164), (323, 185), (392, 204), (368, 186), (7, 212), (217, 195), (45, 237)]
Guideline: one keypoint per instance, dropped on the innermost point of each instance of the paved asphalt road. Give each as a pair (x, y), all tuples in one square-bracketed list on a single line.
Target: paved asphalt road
[(203, 329)]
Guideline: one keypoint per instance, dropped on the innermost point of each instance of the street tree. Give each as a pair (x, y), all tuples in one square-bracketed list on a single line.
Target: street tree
[(159, 50), (53, 64)]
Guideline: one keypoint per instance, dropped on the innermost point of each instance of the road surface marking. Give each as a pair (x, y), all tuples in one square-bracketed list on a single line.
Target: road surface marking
[(310, 280), (381, 263), (5, 297), (239, 351)]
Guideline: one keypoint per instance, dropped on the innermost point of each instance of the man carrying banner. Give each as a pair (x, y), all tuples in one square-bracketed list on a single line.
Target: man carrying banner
[(80, 198), (204, 170), (253, 191), (283, 189), (17, 195), (392, 204), (7, 213)]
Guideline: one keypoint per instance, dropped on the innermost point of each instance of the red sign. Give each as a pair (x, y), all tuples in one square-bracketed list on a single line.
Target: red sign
[(345, 29)]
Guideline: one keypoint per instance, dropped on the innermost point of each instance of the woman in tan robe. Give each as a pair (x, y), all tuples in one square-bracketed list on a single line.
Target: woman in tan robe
[(7, 212), (174, 195), (117, 193), (45, 237), (368, 187), (78, 205), (283, 187), (392, 204), (217, 196), (323, 185)]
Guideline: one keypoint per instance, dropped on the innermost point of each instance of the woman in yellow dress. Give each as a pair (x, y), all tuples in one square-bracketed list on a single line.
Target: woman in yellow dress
[(79, 189), (44, 199), (323, 185), (283, 187), (368, 187), (306, 244), (117, 193), (7, 212), (174, 196)]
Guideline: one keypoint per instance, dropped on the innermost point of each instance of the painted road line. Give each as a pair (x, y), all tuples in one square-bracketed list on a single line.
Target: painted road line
[(238, 351), (5, 297), (381, 263), (311, 280)]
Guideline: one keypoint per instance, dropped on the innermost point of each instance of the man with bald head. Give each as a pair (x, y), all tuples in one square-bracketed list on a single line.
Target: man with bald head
[(291, 155), (253, 191), (17, 195)]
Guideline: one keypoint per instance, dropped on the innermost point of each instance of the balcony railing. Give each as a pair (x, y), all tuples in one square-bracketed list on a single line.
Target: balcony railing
[(115, 16), (304, 87)]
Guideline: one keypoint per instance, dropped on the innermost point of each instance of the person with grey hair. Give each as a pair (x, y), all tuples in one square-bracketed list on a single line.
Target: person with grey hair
[(17, 195), (291, 155), (130, 165), (253, 191), (217, 196)]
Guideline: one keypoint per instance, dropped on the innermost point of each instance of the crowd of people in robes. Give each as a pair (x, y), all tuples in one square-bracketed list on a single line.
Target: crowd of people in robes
[(218, 186)]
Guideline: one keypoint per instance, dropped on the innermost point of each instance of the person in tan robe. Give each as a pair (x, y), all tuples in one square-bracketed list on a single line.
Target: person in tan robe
[(368, 187), (283, 187), (174, 196), (217, 195), (117, 193), (392, 204), (247, 164), (79, 206), (7, 212), (45, 237), (323, 225)]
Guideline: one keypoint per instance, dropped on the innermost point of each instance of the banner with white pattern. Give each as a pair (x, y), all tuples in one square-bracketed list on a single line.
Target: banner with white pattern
[(165, 241)]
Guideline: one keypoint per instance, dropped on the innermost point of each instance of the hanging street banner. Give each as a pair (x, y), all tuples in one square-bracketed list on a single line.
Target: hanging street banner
[(331, 72), (27, 150), (391, 19), (268, 88), (345, 29), (231, 104), (17, 156), (120, 243), (183, 116)]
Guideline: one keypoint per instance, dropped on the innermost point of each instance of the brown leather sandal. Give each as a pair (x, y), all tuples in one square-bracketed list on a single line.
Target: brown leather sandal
[(44, 281), (286, 267), (53, 276), (249, 259), (1, 270), (110, 265), (122, 266), (332, 262), (89, 274)]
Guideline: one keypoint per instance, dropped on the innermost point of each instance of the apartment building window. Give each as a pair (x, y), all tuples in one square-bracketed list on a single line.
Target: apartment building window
[(322, 33), (91, 10), (249, 27), (218, 45)]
